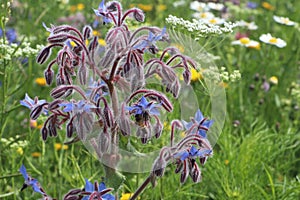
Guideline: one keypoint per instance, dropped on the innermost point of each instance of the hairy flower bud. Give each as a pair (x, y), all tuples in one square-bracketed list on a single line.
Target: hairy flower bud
[(59, 91), (43, 55), (36, 111), (87, 32), (49, 74), (139, 15), (58, 38)]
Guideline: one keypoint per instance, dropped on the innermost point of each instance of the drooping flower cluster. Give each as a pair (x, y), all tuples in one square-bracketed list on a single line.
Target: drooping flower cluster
[(101, 92)]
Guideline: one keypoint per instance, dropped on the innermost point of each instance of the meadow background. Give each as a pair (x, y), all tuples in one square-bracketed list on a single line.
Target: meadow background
[(257, 155)]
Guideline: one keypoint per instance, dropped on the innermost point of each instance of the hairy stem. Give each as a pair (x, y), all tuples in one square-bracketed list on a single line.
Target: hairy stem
[(142, 187)]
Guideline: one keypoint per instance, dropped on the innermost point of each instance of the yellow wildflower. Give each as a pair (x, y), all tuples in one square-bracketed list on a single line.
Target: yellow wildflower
[(36, 154), (40, 126), (145, 7), (274, 80), (195, 75), (73, 44), (226, 162), (267, 6), (161, 7), (127, 196), (59, 146), (80, 6), (96, 33), (182, 134), (167, 126), (102, 42), (20, 150), (40, 81)]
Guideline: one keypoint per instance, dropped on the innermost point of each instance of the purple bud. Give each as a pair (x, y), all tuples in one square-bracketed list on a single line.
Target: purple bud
[(36, 111), (87, 30), (62, 28), (108, 116), (55, 104), (49, 74), (70, 129), (43, 55), (44, 133), (183, 176), (179, 166), (187, 76), (158, 128), (52, 127), (58, 38), (139, 15), (93, 45), (59, 91), (195, 173)]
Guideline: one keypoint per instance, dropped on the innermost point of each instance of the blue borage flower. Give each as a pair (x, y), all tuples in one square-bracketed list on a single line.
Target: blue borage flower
[(97, 189), (30, 103), (199, 122), (96, 89), (149, 43), (102, 12), (30, 181), (77, 107), (143, 111), (193, 153)]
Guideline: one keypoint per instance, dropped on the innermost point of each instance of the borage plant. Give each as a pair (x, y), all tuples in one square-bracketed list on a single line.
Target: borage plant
[(102, 96)]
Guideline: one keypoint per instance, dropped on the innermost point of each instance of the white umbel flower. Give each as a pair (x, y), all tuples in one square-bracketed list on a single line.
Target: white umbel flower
[(283, 20), (269, 39)]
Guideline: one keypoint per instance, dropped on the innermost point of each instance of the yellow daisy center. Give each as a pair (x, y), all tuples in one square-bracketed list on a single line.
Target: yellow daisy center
[(273, 40), (245, 40), (203, 15), (285, 20), (213, 21)]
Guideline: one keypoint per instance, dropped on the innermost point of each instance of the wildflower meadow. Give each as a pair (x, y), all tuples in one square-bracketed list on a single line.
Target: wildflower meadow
[(149, 99)]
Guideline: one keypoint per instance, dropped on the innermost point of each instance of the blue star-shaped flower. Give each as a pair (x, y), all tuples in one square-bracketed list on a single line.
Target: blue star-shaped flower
[(150, 41), (30, 181), (89, 187), (78, 107), (144, 106), (103, 12), (31, 103), (203, 123), (193, 153)]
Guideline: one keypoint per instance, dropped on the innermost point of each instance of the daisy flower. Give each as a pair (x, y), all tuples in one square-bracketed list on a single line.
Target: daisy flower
[(199, 6), (245, 41), (283, 20), (269, 39), (248, 25), (203, 15)]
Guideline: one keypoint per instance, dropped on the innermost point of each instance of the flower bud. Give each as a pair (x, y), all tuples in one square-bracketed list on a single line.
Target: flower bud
[(49, 74), (139, 15)]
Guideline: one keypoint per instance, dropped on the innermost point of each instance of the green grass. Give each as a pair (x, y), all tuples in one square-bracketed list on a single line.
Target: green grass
[(257, 159)]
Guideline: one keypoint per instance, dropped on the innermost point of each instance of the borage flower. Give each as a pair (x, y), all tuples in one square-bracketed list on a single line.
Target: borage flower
[(143, 110), (103, 12), (96, 190), (149, 43), (29, 181), (186, 162), (77, 107), (199, 124), (31, 103), (269, 39)]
